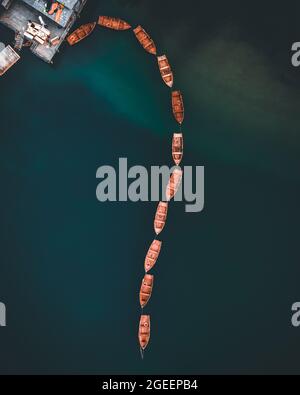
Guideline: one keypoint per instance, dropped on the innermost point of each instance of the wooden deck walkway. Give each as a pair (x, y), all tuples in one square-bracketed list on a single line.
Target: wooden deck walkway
[(39, 5), (20, 12)]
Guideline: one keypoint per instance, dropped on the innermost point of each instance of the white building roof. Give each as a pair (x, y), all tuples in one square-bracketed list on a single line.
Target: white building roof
[(8, 57)]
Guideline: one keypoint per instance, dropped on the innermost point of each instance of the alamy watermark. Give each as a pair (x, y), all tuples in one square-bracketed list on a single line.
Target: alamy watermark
[(138, 184), (296, 314), (2, 314), (296, 54)]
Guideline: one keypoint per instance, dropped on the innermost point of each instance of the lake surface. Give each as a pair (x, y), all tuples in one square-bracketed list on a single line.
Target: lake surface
[(71, 267)]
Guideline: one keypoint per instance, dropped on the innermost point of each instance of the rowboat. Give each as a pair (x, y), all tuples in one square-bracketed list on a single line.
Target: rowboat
[(177, 148), (165, 70), (174, 184), (81, 33), (178, 107), (113, 23), (160, 217), (145, 40), (144, 331), (146, 289), (152, 255)]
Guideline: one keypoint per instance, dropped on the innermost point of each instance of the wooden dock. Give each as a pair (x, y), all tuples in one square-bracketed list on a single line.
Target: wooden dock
[(17, 13), (39, 5)]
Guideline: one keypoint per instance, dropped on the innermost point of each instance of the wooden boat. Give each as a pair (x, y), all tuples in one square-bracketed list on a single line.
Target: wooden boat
[(165, 70), (113, 23), (174, 184), (144, 331), (152, 255), (145, 40), (178, 107), (146, 289), (177, 148), (160, 217), (81, 33)]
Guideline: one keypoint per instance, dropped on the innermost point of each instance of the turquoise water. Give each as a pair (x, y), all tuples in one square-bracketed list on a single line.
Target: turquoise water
[(71, 267)]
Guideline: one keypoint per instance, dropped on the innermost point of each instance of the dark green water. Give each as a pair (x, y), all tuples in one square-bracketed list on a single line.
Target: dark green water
[(71, 267)]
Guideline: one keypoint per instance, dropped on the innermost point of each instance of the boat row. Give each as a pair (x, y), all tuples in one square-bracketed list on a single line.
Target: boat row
[(177, 153), (147, 43)]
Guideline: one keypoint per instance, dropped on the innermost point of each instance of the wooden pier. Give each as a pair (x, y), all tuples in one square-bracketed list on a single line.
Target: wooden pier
[(17, 13)]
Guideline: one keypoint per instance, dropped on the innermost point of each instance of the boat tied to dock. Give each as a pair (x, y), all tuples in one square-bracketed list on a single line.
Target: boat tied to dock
[(81, 33)]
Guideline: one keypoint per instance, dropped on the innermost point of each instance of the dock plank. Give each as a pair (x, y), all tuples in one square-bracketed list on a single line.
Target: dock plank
[(39, 5)]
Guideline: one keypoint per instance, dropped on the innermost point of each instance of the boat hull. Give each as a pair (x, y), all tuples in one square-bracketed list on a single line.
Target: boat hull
[(144, 331), (152, 255), (145, 40), (160, 217), (113, 23), (165, 70), (81, 33), (178, 107), (177, 148), (174, 184), (146, 289)]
